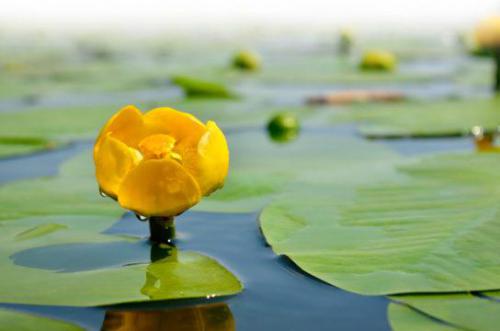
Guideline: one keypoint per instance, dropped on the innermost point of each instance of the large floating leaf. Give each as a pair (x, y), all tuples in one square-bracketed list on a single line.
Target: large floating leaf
[(262, 169), (465, 310), (73, 192), (54, 214), (403, 318), (127, 277), (434, 227), (11, 320), (425, 119), (178, 275)]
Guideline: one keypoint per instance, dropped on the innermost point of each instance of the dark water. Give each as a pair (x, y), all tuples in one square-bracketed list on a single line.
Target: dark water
[(37, 164), (277, 295)]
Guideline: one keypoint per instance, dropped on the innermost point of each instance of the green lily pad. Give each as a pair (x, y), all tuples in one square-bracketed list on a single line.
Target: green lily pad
[(13, 320), (404, 318), (73, 192), (179, 275), (424, 119), (427, 228), (10, 146), (67, 209), (261, 169), (464, 310)]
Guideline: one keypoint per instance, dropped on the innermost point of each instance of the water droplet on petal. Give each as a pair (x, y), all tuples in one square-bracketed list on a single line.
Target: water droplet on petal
[(102, 193), (141, 218)]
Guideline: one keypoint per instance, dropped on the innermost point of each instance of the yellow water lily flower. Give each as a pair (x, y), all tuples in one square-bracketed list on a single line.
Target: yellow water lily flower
[(159, 163), (487, 33)]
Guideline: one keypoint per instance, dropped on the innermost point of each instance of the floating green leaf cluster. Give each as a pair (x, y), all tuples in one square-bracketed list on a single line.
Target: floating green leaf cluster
[(339, 207)]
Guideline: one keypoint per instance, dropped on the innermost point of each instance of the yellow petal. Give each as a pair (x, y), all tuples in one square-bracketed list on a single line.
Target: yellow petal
[(184, 127), (113, 160), (159, 188), (126, 126), (209, 161)]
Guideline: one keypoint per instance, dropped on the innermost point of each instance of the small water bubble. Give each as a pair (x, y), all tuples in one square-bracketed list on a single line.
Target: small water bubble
[(101, 192), (141, 218)]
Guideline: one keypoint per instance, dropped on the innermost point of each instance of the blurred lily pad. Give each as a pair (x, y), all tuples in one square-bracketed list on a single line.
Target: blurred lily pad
[(424, 119), (43, 128), (13, 320), (199, 88), (261, 170), (10, 146), (431, 227)]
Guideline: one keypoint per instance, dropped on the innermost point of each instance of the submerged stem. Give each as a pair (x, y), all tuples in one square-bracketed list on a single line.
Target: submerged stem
[(161, 229)]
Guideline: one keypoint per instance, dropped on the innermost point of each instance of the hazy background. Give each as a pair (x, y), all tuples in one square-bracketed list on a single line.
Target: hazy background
[(154, 15)]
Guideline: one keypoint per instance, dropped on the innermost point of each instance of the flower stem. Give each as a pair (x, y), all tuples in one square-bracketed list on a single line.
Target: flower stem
[(161, 229), (496, 56)]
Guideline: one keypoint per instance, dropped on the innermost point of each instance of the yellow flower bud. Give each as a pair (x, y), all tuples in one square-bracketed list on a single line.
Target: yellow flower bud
[(159, 163)]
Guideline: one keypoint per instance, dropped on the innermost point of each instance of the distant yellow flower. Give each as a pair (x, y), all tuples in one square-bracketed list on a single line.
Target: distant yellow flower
[(487, 33), (159, 163)]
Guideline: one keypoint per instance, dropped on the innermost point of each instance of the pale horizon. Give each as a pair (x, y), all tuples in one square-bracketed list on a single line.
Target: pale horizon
[(223, 14)]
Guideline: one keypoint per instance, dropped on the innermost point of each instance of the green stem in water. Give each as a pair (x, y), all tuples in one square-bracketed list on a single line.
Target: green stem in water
[(496, 57), (161, 229)]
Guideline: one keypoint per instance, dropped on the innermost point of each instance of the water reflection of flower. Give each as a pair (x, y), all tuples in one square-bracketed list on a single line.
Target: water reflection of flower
[(207, 318), (159, 163)]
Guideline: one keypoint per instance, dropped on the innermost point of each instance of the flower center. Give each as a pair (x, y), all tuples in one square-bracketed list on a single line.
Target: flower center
[(159, 146)]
